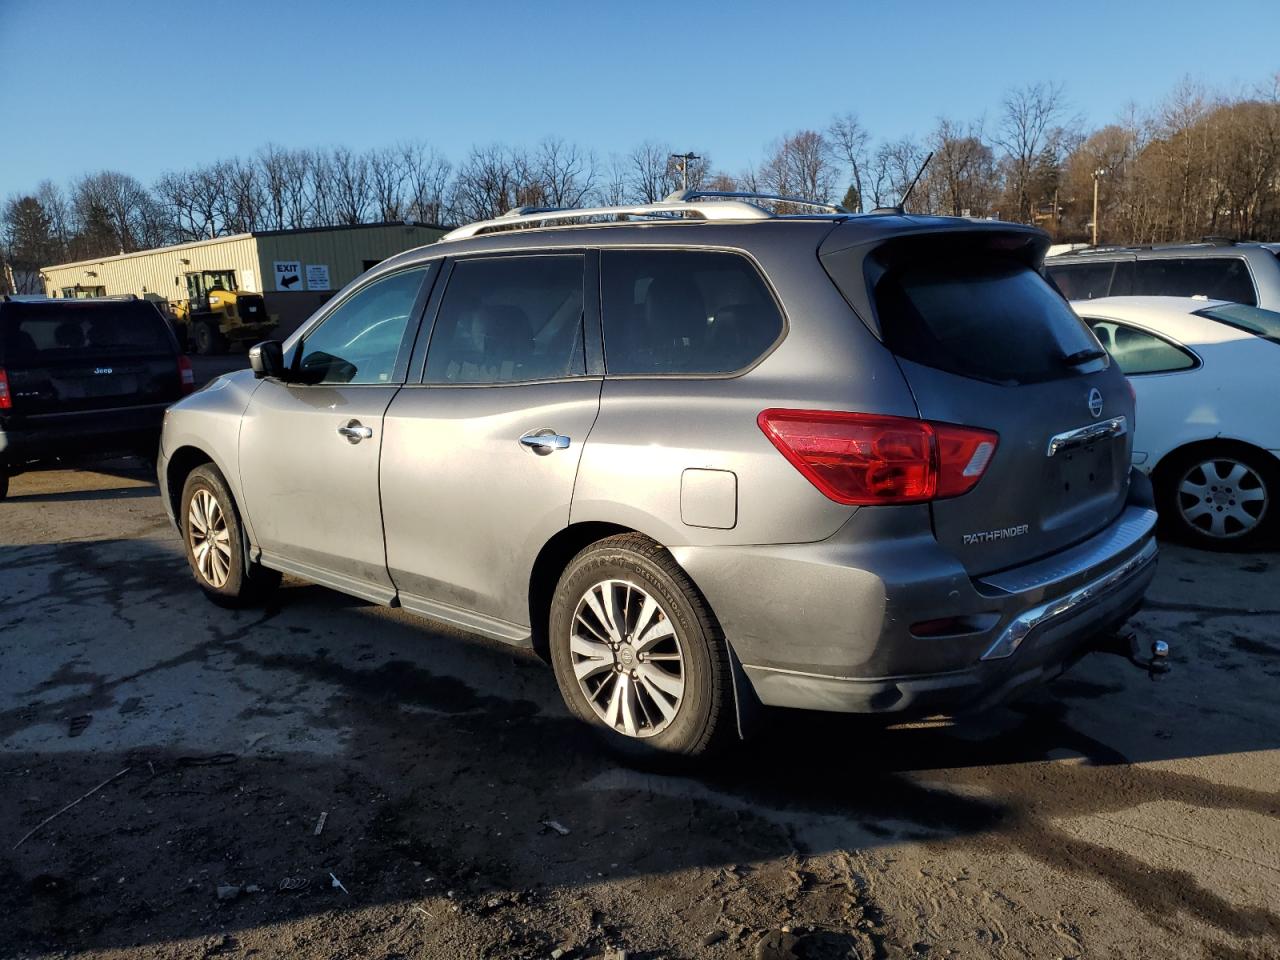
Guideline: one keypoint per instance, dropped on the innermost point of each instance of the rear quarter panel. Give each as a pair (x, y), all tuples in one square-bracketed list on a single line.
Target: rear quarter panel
[(1219, 400), (651, 429)]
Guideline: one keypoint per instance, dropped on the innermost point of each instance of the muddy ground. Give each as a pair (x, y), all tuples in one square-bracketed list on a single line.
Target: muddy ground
[(1108, 816)]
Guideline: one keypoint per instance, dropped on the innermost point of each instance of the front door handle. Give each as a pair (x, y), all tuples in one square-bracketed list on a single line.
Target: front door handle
[(355, 431), (544, 441)]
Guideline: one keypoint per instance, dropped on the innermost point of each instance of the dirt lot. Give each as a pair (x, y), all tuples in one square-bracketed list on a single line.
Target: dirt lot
[(1110, 816)]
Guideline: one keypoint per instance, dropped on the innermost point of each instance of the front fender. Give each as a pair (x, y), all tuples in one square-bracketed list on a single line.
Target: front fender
[(208, 421)]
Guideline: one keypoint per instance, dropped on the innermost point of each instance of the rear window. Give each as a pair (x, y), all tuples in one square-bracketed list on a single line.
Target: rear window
[(1216, 278), (684, 312), (37, 333), (995, 320), (1265, 323)]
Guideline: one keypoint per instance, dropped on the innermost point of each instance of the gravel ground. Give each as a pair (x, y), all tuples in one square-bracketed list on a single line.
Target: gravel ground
[(254, 760)]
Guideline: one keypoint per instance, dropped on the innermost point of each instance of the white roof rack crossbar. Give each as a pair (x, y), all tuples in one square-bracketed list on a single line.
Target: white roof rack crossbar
[(667, 209), (688, 196)]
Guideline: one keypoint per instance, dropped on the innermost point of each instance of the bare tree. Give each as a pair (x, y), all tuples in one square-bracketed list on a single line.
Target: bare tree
[(277, 168), (387, 175), (243, 197), (849, 141), (613, 187), (116, 214), (488, 184), (565, 172), (322, 189), (652, 172), (350, 180), (1030, 113), (426, 182), (962, 175), (723, 182), (893, 166), (54, 203)]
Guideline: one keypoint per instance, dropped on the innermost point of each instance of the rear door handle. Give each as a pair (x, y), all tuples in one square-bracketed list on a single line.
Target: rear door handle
[(355, 431), (544, 441)]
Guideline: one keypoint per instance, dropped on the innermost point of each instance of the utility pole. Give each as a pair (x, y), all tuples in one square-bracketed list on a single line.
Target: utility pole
[(1097, 175), (684, 159)]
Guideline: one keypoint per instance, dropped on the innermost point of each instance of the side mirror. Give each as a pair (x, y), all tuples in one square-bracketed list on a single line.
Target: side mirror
[(266, 359)]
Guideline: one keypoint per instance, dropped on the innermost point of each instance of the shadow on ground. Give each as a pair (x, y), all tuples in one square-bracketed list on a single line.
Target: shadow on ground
[(439, 761)]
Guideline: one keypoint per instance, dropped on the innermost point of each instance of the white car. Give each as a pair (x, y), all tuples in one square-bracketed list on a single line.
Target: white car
[(1205, 373)]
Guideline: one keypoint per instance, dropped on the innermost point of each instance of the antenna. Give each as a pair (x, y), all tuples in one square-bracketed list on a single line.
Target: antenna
[(902, 204)]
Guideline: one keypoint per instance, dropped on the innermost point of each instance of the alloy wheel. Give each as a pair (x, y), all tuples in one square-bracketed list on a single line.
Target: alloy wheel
[(627, 658), (209, 538), (1222, 498)]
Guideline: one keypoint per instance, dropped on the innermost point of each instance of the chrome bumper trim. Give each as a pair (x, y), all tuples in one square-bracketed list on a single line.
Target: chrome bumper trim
[(1133, 526), (1012, 636), (1115, 427)]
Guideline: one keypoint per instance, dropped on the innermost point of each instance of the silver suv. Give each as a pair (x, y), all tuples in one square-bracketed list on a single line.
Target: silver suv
[(699, 456), (1212, 269)]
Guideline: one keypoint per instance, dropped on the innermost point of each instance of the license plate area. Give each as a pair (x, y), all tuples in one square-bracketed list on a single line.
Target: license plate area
[(1080, 475), (88, 387)]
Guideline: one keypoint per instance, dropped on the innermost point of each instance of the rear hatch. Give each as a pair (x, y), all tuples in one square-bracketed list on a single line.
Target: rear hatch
[(64, 357), (984, 341)]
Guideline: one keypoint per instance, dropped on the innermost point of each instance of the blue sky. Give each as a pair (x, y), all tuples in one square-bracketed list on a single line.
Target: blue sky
[(144, 86)]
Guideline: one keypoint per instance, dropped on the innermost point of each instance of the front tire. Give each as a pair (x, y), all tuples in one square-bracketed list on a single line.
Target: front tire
[(215, 542), (209, 339), (637, 653), (1220, 497)]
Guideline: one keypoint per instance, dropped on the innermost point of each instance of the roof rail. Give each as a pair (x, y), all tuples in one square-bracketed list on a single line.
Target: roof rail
[(665, 210), (689, 196)]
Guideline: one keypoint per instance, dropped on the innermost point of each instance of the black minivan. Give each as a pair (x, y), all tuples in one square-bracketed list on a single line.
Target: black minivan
[(83, 379)]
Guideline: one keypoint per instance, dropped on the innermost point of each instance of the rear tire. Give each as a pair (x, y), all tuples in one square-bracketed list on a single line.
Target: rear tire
[(637, 652), (215, 543), (1220, 496)]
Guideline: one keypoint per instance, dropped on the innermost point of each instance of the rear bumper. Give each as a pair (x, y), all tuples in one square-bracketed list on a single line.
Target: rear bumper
[(827, 626), (81, 433), (1057, 634)]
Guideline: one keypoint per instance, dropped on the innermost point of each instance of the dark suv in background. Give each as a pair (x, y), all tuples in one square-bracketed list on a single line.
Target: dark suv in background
[(83, 379), (1246, 273)]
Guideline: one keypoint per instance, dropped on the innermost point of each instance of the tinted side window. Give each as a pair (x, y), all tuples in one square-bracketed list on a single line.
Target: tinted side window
[(1122, 279), (684, 312), (508, 319), (1136, 351), (1082, 281), (360, 340), (1218, 278)]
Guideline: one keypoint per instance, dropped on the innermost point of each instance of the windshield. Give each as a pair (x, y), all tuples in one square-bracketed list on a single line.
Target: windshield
[(220, 280), (1265, 323)]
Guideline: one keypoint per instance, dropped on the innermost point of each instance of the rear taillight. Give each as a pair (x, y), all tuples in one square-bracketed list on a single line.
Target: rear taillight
[(6, 399), (186, 376), (861, 458)]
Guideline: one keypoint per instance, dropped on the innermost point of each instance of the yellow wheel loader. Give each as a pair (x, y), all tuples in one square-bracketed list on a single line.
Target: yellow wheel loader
[(215, 313)]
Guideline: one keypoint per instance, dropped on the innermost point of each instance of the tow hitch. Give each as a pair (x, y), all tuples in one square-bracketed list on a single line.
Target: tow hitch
[(1155, 660)]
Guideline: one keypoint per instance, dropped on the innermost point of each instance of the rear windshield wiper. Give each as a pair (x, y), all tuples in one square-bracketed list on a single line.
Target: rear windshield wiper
[(1083, 356)]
